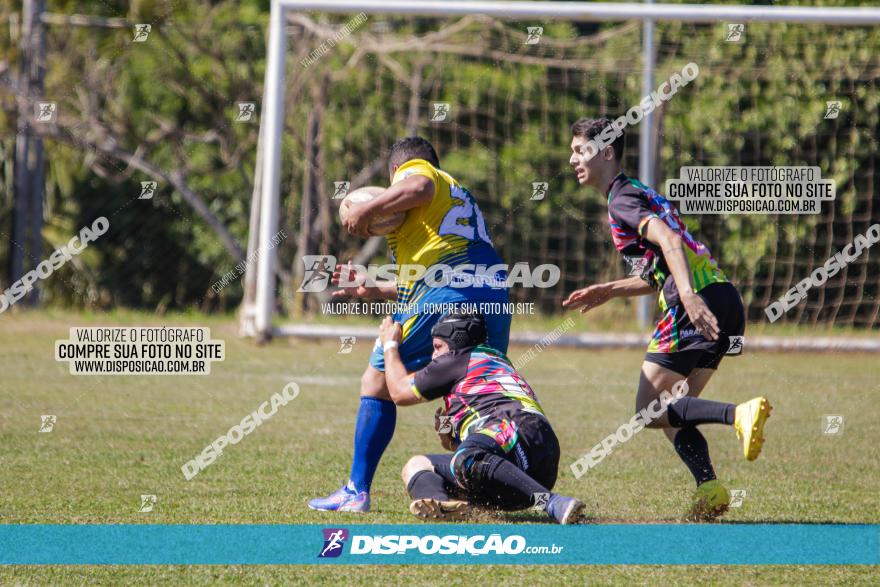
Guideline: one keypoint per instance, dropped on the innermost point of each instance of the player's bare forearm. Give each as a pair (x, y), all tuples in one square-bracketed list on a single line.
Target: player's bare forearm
[(414, 191), (353, 284), (629, 287), (398, 380), (383, 290), (672, 246), (596, 295)]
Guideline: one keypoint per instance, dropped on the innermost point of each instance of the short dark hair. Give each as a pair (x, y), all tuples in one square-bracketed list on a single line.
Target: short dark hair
[(412, 148), (590, 128)]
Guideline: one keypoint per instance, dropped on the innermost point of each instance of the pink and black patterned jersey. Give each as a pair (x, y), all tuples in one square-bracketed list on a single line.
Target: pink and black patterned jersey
[(483, 393), (631, 204)]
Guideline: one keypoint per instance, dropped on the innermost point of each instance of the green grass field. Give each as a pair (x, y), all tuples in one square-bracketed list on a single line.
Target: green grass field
[(119, 437)]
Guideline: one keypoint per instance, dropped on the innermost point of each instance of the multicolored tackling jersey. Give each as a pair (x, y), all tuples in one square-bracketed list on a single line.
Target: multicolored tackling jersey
[(631, 204), (450, 230), (483, 393)]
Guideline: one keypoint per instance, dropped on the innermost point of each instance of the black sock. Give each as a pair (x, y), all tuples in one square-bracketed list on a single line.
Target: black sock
[(427, 485), (693, 449), (693, 410), (520, 490)]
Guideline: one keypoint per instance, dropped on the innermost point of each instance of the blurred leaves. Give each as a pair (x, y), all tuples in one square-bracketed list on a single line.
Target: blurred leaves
[(174, 99)]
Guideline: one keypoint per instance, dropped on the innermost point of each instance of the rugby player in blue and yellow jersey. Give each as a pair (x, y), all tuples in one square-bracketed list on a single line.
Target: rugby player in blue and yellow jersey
[(702, 313), (445, 233)]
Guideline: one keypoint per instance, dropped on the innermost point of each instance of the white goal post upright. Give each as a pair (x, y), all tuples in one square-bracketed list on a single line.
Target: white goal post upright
[(270, 197), (273, 98)]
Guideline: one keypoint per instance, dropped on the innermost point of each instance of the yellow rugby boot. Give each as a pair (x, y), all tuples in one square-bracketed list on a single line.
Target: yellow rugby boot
[(711, 500), (749, 423)]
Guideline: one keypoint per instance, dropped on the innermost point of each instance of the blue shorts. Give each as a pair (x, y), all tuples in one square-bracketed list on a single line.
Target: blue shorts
[(417, 347)]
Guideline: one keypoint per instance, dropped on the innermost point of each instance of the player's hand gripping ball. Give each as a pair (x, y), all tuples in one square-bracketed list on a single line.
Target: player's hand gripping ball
[(377, 225)]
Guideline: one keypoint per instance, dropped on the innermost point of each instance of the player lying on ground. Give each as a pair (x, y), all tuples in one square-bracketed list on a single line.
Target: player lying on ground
[(506, 454), (443, 226), (701, 309)]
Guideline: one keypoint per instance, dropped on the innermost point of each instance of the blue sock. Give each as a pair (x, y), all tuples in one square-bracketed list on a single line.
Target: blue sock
[(372, 433)]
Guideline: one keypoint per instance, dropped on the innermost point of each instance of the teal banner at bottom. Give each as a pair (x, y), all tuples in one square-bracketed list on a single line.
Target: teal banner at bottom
[(676, 544)]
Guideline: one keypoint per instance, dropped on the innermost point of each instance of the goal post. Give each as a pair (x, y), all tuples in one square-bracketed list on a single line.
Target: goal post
[(258, 319), (273, 119)]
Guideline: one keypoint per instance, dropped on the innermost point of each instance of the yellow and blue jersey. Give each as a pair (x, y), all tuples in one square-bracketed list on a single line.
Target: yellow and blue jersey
[(448, 235), (449, 230)]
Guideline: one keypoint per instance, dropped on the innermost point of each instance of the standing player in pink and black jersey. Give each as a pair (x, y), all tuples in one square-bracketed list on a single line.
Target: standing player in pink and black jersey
[(702, 313)]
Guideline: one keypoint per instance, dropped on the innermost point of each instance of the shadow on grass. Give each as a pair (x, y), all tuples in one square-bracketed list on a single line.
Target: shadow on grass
[(534, 517)]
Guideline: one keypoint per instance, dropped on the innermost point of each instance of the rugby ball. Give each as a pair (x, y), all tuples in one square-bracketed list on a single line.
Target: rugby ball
[(379, 225)]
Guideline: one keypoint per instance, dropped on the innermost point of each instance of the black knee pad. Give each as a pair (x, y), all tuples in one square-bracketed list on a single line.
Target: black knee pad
[(473, 466)]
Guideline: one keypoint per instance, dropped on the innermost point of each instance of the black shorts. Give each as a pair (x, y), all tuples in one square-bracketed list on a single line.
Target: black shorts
[(676, 344), (536, 452)]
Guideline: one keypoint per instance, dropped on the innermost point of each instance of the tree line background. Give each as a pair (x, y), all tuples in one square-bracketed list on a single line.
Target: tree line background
[(166, 110)]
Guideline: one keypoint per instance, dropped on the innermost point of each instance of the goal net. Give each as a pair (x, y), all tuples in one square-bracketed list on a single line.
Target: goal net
[(497, 97)]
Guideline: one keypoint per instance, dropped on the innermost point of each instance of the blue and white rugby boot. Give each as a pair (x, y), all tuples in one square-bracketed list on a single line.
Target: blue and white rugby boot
[(344, 499)]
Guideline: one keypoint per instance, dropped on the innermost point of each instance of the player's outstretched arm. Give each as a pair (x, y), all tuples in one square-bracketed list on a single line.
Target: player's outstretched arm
[(351, 284), (596, 295), (409, 193), (396, 377), (672, 246)]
